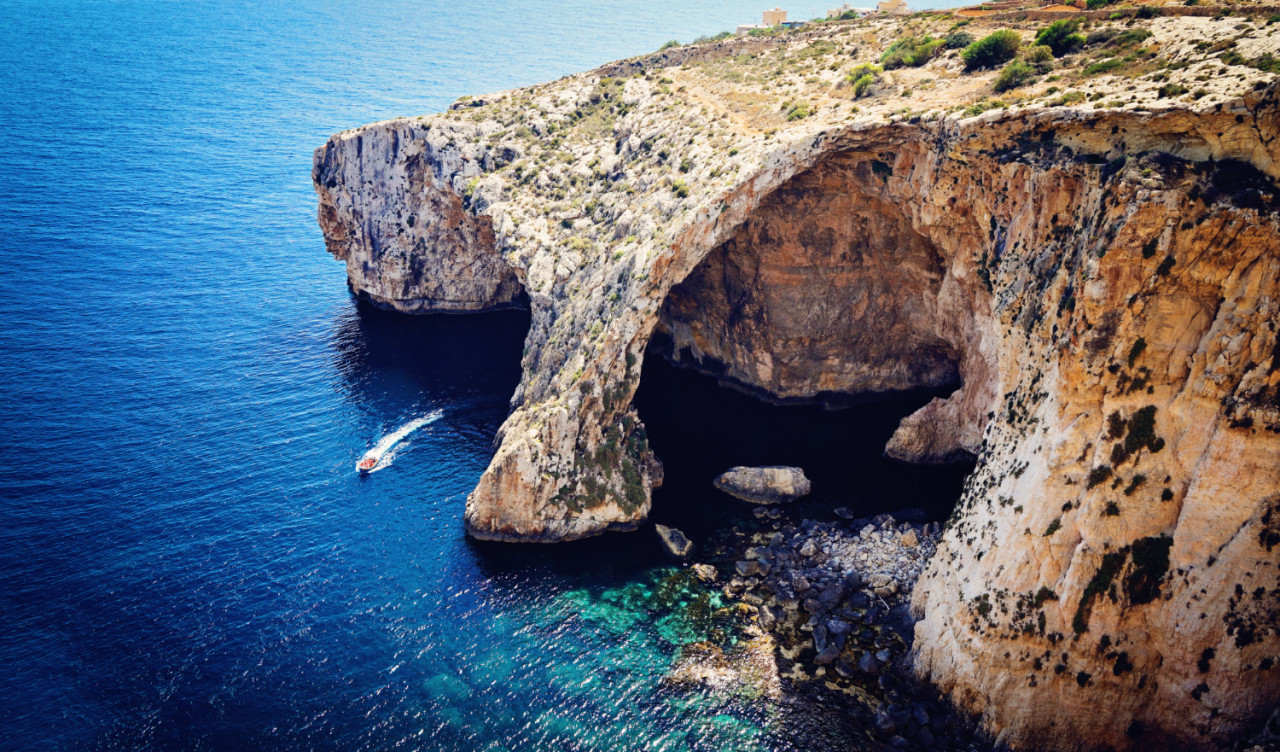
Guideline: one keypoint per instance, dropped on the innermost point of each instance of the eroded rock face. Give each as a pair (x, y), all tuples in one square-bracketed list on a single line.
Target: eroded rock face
[(826, 288), (396, 204), (1104, 284)]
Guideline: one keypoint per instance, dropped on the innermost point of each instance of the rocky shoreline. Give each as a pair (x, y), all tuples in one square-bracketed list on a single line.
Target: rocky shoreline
[(831, 601)]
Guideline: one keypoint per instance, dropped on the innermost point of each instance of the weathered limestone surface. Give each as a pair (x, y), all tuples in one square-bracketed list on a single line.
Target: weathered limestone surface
[(395, 205), (1104, 282), (764, 485)]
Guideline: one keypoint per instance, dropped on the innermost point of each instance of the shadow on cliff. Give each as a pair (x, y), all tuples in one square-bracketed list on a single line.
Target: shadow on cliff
[(386, 358), (699, 429), (390, 363)]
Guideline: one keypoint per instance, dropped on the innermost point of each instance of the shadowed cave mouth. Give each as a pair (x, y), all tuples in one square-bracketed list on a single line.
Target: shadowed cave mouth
[(699, 429), (806, 337)]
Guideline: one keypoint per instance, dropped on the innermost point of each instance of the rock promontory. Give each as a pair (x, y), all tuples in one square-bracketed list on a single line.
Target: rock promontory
[(1082, 239)]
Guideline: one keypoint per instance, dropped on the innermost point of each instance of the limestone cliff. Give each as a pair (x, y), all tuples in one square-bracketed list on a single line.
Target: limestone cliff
[(417, 245), (1094, 261)]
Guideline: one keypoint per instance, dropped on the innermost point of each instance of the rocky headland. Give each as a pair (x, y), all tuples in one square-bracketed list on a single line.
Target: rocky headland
[(1081, 237)]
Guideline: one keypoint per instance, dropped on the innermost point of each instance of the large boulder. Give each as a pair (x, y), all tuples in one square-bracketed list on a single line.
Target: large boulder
[(674, 541), (765, 485)]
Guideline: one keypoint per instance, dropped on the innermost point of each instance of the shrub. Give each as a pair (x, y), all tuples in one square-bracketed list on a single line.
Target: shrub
[(1147, 11), (1098, 36), (1266, 62), (798, 111), (1060, 36), (716, 38), (1139, 347), (1142, 430), (977, 108), (1015, 74), (1107, 571), (958, 40), (864, 69), (669, 45), (1130, 37), (1044, 594), (864, 78), (1109, 64), (1150, 565), (992, 50), (910, 52), (1172, 90), (1039, 57), (1115, 425)]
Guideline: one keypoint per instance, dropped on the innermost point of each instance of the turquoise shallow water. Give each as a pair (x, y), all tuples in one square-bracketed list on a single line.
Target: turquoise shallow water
[(187, 559)]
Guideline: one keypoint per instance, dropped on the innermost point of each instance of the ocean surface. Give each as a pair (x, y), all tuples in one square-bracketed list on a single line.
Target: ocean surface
[(188, 559)]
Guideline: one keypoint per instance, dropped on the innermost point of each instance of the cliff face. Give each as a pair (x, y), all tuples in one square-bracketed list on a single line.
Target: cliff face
[(394, 205), (1100, 282)]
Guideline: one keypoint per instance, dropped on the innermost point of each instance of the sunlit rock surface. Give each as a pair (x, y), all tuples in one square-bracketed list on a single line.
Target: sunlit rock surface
[(764, 485)]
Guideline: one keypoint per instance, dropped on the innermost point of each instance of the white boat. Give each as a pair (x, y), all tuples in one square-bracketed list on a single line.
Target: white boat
[(373, 459)]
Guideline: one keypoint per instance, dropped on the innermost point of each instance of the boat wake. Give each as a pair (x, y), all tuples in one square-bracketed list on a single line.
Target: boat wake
[(382, 454)]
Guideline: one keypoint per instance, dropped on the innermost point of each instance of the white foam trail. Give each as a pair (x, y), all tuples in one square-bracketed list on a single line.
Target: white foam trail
[(381, 452)]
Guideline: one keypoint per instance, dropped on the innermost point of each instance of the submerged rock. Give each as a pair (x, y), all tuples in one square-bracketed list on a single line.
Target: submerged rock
[(748, 669), (674, 541), (773, 484)]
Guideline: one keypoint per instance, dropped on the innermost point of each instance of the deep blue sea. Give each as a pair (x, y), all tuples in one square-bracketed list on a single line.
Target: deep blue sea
[(187, 558)]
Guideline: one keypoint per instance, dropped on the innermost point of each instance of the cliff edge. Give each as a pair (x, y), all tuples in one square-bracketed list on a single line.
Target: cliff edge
[(1091, 255)]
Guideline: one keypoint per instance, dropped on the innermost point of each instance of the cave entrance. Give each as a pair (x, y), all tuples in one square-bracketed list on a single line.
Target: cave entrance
[(699, 429), (828, 295)]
